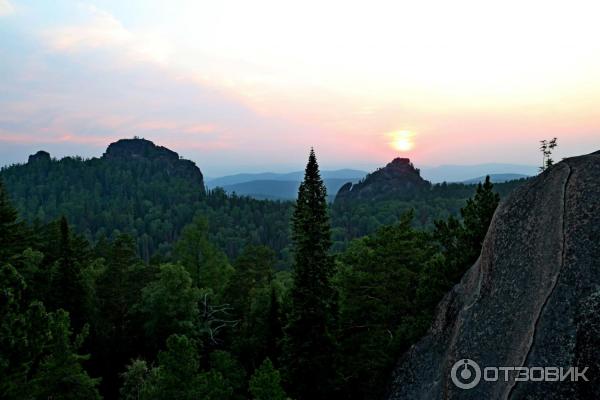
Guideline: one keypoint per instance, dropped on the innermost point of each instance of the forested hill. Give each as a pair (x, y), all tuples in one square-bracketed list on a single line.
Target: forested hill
[(150, 193), (398, 179), (141, 151), (387, 193), (143, 190)]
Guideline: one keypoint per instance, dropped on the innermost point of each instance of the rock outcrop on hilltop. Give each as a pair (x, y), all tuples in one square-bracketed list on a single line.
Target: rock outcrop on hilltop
[(141, 149), (40, 156), (398, 179), (138, 148), (532, 299)]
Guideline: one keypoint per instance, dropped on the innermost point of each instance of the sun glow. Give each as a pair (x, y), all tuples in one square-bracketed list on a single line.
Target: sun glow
[(402, 140)]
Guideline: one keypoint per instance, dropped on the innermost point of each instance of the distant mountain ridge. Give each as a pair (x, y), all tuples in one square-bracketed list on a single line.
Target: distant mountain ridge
[(295, 176), (496, 178), (284, 186), (281, 190), (461, 173)]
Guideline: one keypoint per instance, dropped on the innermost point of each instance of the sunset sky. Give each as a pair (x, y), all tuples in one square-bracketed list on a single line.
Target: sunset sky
[(250, 85)]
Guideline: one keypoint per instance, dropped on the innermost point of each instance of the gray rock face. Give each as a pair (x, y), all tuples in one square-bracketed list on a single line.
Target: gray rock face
[(528, 301)]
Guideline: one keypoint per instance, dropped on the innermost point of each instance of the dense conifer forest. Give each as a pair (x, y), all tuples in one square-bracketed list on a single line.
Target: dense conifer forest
[(149, 193), (122, 280)]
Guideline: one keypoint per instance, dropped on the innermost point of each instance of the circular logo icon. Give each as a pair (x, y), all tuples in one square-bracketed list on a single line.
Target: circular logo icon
[(465, 374)]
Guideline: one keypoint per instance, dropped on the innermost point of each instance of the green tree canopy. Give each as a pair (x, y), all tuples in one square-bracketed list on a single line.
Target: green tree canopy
[(265, 383), (310, 348)]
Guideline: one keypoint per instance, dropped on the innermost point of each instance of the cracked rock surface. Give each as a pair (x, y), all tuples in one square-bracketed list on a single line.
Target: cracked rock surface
[(530, 300)]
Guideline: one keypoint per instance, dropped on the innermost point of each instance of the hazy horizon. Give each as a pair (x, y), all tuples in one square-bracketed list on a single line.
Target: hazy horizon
[(210, 172), (250, 86)]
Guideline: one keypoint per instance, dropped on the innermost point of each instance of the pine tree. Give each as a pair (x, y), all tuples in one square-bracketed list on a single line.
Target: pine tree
[(135, 381), (179, 364), (478, 213), (247, 296), (117, 328), (231, 370), (253, 270), (206, 264), (547, 147), (273, 329), (461, 241), (38, 357), (68, 289), (378, 280), (265, 384), (11, 231), (61, 375), (169, 304), (310, 347)]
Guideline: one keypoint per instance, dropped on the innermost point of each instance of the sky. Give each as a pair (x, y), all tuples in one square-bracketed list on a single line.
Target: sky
[(248, 86)]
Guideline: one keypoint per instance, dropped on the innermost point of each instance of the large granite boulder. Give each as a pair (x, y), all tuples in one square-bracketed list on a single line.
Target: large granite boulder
[(532, 299)]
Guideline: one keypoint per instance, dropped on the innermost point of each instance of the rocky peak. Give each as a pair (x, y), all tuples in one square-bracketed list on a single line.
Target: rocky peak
[(138, 148), (40, 156), (143, 150), (399, 163), (399, 178), (401, 166)]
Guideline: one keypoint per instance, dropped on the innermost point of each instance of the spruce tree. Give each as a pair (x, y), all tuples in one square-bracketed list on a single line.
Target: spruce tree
[(265, 383), (273, 329), (309, 346), (477, 215), (68, 288), (11, 230), (117, 326), (207, 265)]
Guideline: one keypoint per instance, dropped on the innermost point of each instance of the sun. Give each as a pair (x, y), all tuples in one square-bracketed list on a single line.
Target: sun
[(402, 140)]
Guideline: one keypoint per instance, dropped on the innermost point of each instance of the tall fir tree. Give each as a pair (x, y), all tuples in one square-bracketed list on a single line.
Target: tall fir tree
[(207, 265), (265, 383), (68, 288), (309, 345), (117, 328), (11, 230), (274, 331)]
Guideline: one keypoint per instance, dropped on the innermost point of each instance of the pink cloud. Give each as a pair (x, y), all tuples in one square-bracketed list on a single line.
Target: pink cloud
[(20, 138), (98, 141), (200, 128)]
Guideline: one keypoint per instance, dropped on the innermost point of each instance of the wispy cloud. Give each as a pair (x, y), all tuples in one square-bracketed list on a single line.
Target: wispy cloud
[(86, 85), (101, 30), (21, 138), (6, 8)]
